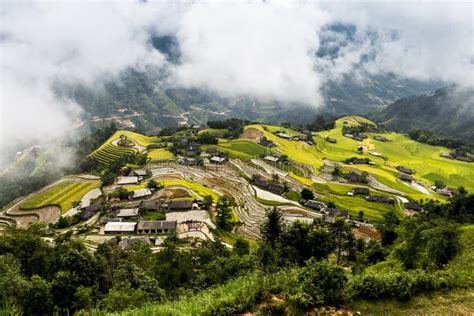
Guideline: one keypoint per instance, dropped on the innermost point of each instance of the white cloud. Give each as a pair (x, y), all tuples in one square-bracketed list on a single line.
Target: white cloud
[(235, 48), (258, 49)]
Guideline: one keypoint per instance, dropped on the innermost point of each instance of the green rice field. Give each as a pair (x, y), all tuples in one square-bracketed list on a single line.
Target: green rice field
[(63, 194)]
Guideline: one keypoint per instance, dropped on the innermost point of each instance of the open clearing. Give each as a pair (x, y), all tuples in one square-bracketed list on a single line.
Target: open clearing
[(63, 195)]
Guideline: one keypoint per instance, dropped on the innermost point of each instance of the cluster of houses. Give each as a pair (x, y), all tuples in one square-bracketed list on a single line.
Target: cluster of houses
[(405, 174), (265, 142), (449, 192), (381, 138), (456, 157), (140, 227), (371, 198), (296, 137), (358, 137), (360, 161), (329, 213)]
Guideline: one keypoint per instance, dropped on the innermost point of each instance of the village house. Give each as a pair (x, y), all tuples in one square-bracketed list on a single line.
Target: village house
[(151, 205), (217, 160), (410, 206), (331, 140), (376, 154), (266, 143), (283, 135), (129, 242), (361, 191), (276, 188), (127, 213), (260, 183), (180, 205), (405, 170), (271, 158), (140, 193), (406, 177), (139, 173), (155, 227), (381, 138), (315, 205), (127, 180), (120, 227), (89, 211), (462, 158), (379, 199)]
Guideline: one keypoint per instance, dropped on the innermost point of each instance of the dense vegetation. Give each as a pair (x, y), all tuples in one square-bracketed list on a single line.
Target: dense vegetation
[(303, 265)]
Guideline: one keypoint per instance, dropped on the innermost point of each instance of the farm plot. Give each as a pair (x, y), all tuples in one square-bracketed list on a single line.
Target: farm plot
[(160, 154), (240, 149), (63, 194)]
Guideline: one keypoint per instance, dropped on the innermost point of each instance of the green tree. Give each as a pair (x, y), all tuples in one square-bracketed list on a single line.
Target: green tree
[(307, 194), (207, 201), (272, 227), (342, 234), (242, 246)]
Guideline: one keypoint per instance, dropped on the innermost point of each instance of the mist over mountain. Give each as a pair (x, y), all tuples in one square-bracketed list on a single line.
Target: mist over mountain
[(447, 111)]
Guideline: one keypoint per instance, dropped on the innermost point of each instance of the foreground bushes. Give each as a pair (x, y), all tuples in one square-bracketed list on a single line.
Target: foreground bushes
[(401, 285)]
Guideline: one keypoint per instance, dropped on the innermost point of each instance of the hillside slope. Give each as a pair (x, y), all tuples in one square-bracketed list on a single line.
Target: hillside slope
[(448, 111)]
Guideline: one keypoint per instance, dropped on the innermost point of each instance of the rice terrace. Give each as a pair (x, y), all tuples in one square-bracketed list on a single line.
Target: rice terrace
[(237, 158)]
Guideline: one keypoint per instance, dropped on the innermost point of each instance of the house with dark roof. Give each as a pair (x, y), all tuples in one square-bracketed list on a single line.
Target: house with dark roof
[(276, 188), (260, 183), (89, 211), (315, 205), (411, 206), (155, 227), (406, 177), (381, 138), (180, 205), (361, 191), (151, 205), (405, 170), (379, 199), (331, 140)]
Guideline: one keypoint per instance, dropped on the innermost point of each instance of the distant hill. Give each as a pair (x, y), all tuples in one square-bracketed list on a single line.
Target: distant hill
[(139, 97), (447, 111)]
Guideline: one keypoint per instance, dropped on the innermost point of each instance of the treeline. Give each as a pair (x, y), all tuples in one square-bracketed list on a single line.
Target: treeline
[(461, 146), (311, 265)]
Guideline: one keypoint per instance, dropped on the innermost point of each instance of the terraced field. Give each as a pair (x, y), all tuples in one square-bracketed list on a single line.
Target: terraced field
[(240, 149), (107, 153), (160, 154), (63, 194)]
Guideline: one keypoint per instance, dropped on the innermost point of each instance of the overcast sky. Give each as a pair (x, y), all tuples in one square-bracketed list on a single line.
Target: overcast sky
[(234, 48)]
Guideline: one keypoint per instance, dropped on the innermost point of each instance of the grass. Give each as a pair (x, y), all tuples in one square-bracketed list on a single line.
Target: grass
[(240, 149), (160, 154), (140, 139), (63, 194), (154, 216), (269, 202), (213, 131)]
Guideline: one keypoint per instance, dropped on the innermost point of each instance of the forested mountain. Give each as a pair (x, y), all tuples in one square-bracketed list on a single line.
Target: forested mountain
[(448, 111), (140, 97)]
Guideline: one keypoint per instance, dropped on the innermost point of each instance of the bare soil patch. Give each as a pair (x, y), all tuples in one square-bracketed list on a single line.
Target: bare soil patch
[(251, 134)]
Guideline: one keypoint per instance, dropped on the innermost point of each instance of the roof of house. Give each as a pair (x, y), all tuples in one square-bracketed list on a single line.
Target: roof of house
[(120, 227), (140, 172), (331, 140), (382, 199), (283, 135), (127, 180), (180, 205), (405, 170), (361, 191), (260, 183), (128, 212), (271, 158), (141, 193), (276, 188), (413, 206), (217, 159), (127, 242), (151, 205), (314, 204), (152, 225), (92, 208), (405, 177)]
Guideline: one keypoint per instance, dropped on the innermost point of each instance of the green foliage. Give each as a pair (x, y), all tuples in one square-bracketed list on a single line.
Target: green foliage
[(307, 194), (224, 213)]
